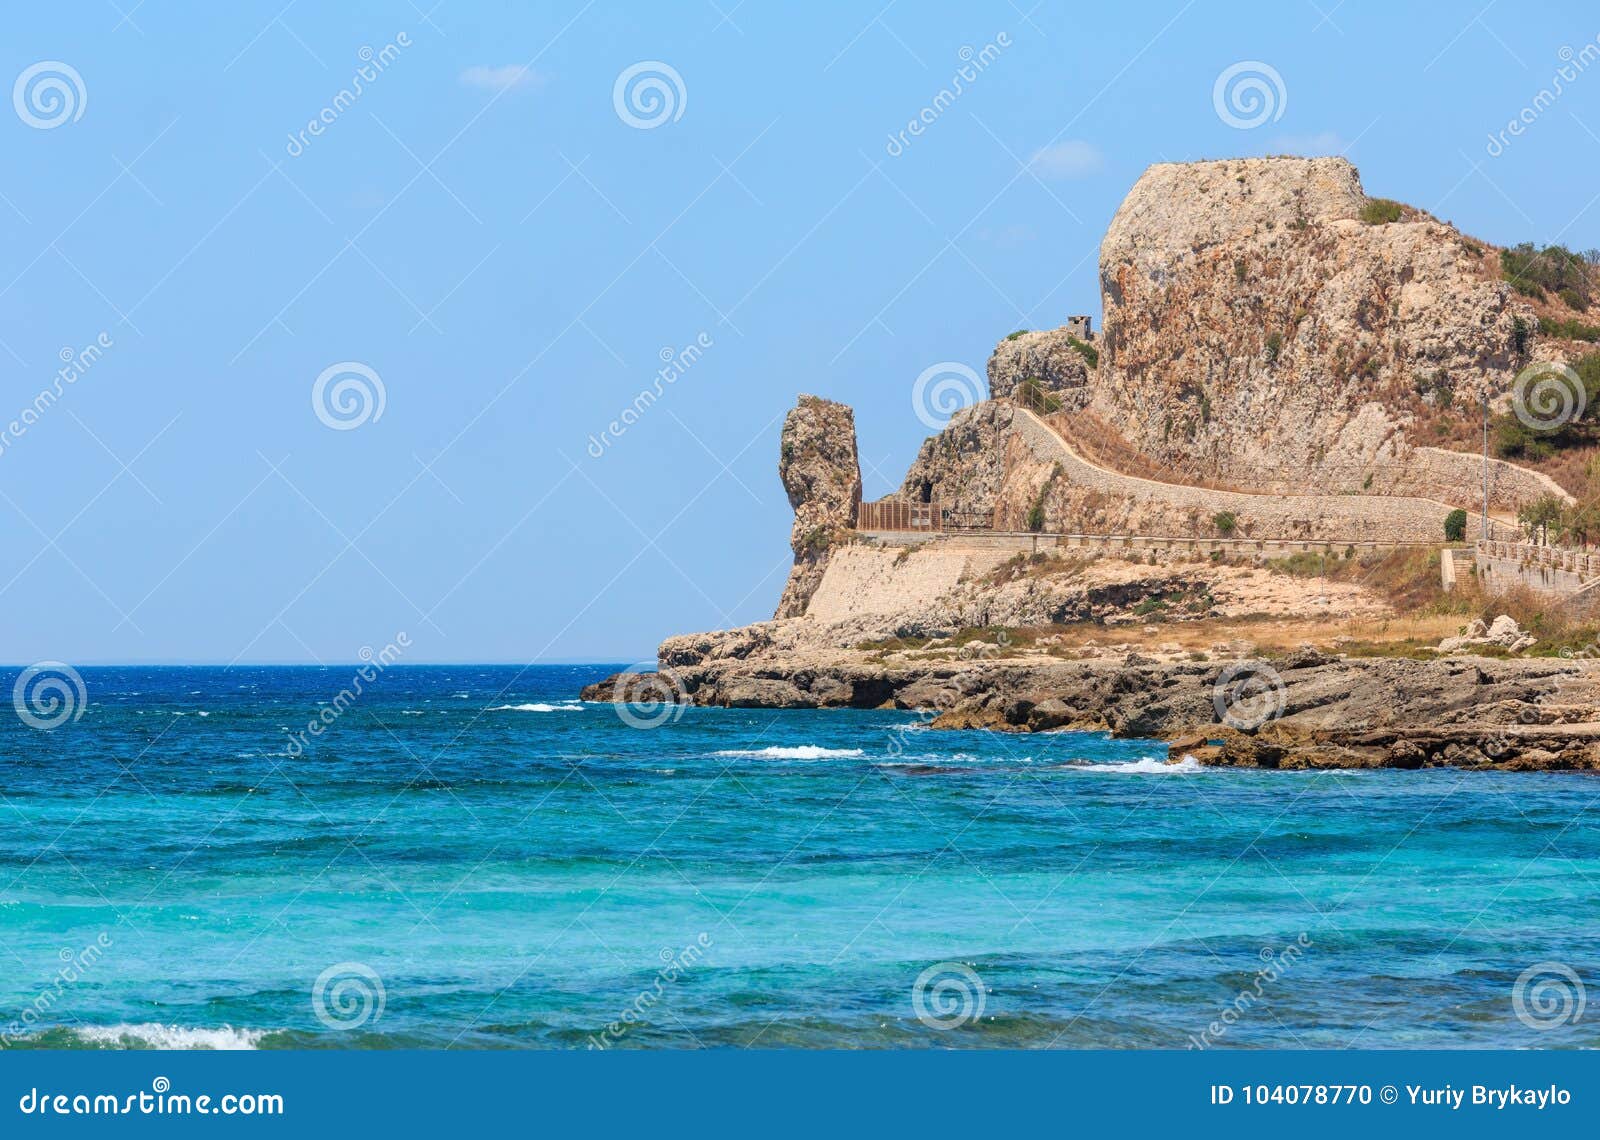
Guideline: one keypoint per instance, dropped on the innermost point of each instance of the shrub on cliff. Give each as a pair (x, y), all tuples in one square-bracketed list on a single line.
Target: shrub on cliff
[(1455, 526), (1032, 393), (1569, 328), (1532, 272), (1225, 522), (1381, 211)]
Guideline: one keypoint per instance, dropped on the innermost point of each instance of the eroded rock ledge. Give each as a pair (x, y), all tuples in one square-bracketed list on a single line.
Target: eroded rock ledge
[(1330, 712)]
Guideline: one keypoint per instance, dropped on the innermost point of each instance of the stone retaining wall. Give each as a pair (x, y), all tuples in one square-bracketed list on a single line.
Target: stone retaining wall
[(1331, 518)]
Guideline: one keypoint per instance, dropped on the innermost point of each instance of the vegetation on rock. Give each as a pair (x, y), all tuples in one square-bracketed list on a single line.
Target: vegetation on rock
[(1381, 211)]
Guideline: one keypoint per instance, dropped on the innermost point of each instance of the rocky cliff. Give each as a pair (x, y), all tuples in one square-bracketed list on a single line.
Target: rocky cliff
[(1059, 362), (821, 473), (1256, 326)]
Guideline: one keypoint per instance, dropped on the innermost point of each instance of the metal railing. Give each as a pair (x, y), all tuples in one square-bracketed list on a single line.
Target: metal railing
[(897, 514)]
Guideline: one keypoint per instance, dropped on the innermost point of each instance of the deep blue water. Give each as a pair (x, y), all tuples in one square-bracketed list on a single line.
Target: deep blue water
[(513, 869)]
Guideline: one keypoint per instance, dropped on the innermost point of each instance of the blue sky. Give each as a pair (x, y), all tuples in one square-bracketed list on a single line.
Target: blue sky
[(483, 231)]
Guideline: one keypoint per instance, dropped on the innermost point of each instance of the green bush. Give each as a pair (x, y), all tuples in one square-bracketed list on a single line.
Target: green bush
[(1455, 526), (1225, 522), (1088, 351), (1569, 328), (1520, 333), (1380, 211), (1036, 517), (1015, 335), (1032, 393), (1274, 346), (1555, 268)]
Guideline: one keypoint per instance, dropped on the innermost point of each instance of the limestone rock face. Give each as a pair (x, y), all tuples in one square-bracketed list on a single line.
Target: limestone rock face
[(963, 467), (821, 473), (1255, 327), (1048, 356)]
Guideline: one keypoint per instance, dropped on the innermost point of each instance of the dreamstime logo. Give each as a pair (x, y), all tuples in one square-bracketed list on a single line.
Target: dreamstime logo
[(676, 964), (1274, 964), (948, 995), (1548, 995), (347, 395), (1572, 65), (649, 94), (366, 675), (943, 390), (347, 995), (75, 364), (49, 94), (372, 64), (74, 964), (1248, 694), (1547, 395), (49, 694), (675, 363), (972, 64), (1249, 94), (657, 697)]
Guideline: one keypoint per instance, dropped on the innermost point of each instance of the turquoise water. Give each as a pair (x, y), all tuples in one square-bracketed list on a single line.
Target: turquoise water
[(511, 868)]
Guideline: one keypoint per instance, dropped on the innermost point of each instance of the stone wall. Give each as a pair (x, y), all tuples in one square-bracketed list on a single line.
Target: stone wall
[(1457, 477), (1336, 518), (863, 579)]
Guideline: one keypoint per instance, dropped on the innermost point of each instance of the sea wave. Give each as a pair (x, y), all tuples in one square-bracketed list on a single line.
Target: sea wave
[(796, 752), (1145, 764), (153, 1035), (537, 706)]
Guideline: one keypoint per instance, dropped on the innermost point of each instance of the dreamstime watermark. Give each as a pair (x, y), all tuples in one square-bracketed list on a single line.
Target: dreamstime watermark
[(649, 94), (74, 964), (160, 1100), (347, 995), (49, 94), (948, 995), (1573, 64), (373, 64), (372, 667), (656, 697), (1247, 694), (48, 694), (1548, 995), (674, 363), (1548, 395), (944, 389), (1276, 963), (677, 964), (348, 394), (973, 64), (74, 364), (1248, 94)]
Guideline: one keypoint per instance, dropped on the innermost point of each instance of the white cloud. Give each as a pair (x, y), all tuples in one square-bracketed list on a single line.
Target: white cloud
[(500, 78), (1071, 159), (1311, 146)]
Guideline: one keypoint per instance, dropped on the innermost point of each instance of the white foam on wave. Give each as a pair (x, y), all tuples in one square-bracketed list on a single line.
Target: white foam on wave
[(797, 752), (536, 706), (1145, 764), (151, 1035)]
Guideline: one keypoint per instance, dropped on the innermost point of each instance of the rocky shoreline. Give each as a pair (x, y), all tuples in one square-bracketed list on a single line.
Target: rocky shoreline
[(1305, 710)]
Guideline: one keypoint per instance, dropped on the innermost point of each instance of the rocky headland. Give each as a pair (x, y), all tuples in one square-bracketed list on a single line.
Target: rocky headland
[(1221, 522)]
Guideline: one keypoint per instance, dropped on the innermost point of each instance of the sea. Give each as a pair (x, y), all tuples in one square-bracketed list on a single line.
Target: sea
[(470, 857)]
